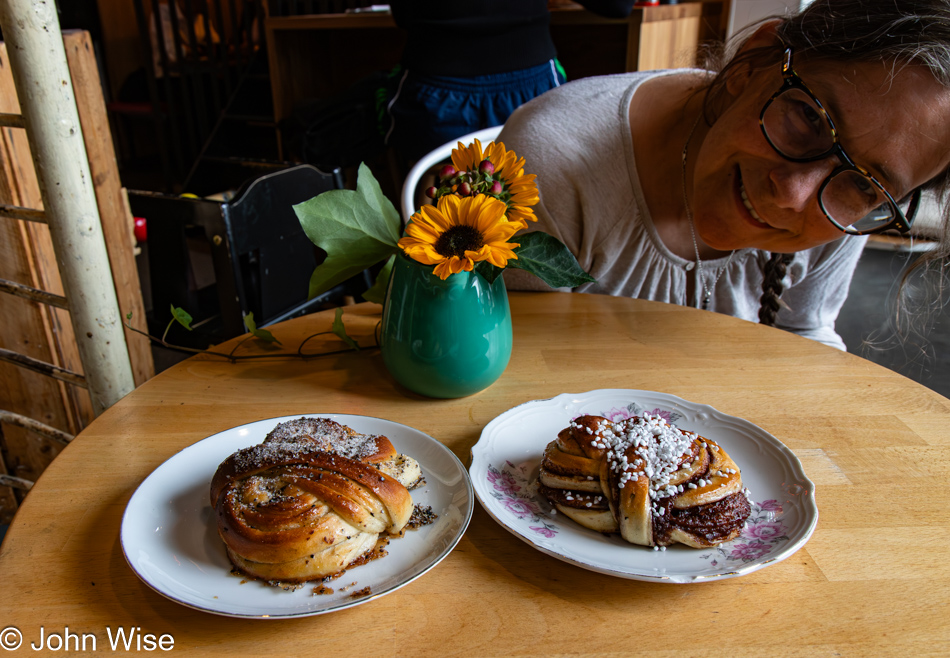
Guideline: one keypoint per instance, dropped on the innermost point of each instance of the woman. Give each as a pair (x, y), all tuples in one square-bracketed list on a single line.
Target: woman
[(701, 189)]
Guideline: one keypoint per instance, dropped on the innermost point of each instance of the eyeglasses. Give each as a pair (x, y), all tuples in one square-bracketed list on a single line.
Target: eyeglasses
[(798, 127)]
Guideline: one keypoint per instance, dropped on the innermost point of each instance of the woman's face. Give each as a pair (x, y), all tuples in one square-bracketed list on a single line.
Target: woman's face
[(747, 195)]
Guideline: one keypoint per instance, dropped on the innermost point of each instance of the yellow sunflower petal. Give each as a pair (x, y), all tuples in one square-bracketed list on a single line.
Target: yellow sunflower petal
[(453, 265), (503, 234), (466, 158), (407, 243), (485, 211), (423, 231), (498, 254), (507, 165), (424, 254), (449, 208), (442, 270), (518, 216), (500, 257), (464, 264), (433, 216)]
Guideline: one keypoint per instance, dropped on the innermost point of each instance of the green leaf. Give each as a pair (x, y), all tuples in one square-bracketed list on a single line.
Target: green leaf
[(128, 316), (340, 331), (357, 229), (263, 334), (488, 271), (181, 316), (547, 258), (378, 292), (368, 187)]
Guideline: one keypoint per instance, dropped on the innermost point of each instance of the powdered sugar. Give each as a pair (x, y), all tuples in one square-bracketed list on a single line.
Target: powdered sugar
[(325, 435), (291, 439)]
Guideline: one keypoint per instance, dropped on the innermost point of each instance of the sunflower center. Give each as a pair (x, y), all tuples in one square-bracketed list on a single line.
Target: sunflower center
[(459, 239)]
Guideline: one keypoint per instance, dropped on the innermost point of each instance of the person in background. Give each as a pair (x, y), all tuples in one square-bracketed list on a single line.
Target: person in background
[(468, 65), (749, 191)]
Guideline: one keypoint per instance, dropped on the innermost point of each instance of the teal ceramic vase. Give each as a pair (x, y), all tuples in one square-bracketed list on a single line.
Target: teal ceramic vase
[(444, 339)]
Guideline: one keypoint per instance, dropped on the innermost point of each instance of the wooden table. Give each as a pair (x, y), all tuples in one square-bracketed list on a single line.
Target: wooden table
[(873, 580)]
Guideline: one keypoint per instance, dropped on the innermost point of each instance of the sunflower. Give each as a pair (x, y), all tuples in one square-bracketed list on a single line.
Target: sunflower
[(519, 190), (459, 232)]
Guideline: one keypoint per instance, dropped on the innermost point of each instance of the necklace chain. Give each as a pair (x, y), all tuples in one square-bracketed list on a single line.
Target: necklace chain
[(707, 290)]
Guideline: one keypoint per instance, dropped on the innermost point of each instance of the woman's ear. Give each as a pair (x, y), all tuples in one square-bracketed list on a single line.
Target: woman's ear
[(763, 37)]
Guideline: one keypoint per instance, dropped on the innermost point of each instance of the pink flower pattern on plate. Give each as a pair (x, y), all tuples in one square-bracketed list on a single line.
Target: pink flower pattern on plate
[(766, 530), (547, 532), (747, 552), (633, 409), (763, 534), (520, 507), (510, 484), (504, 482)]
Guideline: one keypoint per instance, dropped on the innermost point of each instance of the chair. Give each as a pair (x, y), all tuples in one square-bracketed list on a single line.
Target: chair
[(220, 260), (435, 157)]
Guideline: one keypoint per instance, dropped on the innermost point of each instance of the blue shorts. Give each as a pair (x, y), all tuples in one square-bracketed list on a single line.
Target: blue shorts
[(428, 111)]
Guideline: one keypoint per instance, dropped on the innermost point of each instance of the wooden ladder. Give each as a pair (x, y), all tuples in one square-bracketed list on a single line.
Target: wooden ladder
[(72, 311)]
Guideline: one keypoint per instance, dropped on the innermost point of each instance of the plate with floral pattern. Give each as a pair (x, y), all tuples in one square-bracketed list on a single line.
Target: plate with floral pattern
[(506, 462)]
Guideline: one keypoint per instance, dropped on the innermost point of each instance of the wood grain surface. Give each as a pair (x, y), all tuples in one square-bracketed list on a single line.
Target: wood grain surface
[(873, 580)]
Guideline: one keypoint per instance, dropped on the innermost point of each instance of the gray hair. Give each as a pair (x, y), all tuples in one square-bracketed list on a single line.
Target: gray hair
[(900, 31)]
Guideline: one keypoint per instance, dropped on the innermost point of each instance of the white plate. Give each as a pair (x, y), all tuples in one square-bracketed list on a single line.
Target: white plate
[(507, 457), (170, 537)]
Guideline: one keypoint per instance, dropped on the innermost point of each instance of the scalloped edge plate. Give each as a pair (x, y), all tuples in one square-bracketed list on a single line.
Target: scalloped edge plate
[(506, 460), (170, 539)]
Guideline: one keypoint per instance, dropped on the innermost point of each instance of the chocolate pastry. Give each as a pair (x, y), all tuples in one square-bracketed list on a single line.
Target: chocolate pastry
[(646, 479)]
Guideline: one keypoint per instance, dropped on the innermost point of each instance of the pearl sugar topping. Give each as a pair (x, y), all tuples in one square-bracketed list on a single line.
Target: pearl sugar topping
[(659, 448)]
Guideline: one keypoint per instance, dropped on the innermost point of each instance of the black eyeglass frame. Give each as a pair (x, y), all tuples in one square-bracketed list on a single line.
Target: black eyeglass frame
[(791, 80)]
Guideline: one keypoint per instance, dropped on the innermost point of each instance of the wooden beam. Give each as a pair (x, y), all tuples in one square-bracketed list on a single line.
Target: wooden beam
[(18, 212), (43, 368), (33, 294), (12, 120), (15, 482), (35, 426)]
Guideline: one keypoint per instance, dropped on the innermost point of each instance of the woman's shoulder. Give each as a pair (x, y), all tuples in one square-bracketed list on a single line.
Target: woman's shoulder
[(569, 113), (590, 90), (583, 106)]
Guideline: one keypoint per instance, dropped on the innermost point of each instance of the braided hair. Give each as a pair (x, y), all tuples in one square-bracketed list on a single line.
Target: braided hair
[(773, 285)]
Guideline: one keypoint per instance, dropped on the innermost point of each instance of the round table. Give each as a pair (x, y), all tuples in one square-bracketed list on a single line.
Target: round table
[(874, 579)]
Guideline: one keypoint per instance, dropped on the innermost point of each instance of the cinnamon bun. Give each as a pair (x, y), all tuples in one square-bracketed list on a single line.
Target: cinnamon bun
[(646, 479), (310, 499)]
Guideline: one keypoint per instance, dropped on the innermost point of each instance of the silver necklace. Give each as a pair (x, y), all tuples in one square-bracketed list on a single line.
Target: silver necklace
[(707, 290)]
